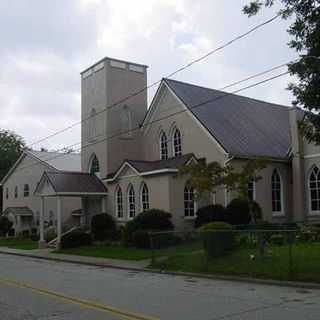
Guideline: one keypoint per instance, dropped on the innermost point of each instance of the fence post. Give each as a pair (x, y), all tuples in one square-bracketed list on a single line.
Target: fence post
[(290, 238), (153, 260)]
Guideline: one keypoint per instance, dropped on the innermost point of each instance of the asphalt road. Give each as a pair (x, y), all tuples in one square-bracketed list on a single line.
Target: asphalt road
[(32, 289)]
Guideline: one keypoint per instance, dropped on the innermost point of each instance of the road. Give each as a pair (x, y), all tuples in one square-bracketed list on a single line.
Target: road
[(32, 289)]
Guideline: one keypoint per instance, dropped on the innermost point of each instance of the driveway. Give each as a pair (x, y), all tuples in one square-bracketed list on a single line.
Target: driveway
[(40, 289)]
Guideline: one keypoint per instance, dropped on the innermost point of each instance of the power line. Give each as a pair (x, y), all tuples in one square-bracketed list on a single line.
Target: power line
[(157, 82), (166, 117)]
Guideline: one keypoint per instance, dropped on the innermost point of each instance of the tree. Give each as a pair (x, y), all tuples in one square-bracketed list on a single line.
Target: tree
[(305, 31), (11, 147), (206, 177)]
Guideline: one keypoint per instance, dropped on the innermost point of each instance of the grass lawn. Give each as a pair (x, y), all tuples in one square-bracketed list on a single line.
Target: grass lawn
[(275, 265), (125, 253), (17, 243)]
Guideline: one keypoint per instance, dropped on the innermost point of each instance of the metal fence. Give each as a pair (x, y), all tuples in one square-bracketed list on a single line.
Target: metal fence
[(271, 254)]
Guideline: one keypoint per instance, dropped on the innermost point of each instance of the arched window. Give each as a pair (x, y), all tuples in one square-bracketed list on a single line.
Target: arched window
[(189, 201), (163, 146), (94, 165), (92, 127), (314, 187), (177, 148), (26, 190), (144, 197), (251, 190), (119, 203), (276, 192), (131, 203), (16, 191)]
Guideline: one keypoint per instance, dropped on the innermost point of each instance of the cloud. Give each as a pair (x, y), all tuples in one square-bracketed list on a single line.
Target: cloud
[(45, 44)]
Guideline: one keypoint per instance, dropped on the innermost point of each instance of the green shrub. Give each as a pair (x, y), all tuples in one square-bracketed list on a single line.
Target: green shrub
[(5, 225), (25, 234), (238, 212), (75, 239), (35, 237), (218, 238), (50, 234), (151, 220), (209, 214), (310, 233), (141, 239), (277, 239), (103, 227)]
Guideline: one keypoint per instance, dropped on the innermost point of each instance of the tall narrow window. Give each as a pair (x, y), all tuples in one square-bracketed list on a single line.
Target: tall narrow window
[(276, 192), (189, 201), (119, 203), (163, 146), (251, 190), (94, 165), (131, 203), (314, 187), (177, 148), (26, 190), (144, 198), (7, 193), (16, 191)]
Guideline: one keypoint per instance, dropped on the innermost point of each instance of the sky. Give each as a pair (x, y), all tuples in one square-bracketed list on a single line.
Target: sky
[(46, 44)]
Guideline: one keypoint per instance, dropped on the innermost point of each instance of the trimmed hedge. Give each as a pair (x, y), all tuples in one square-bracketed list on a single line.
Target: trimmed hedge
[(209, 214), (103, 227), (150, 220), (75, 239), (238, 212), (218, 238)]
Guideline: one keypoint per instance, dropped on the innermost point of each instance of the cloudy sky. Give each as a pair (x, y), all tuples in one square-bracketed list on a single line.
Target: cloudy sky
[(46, 44)]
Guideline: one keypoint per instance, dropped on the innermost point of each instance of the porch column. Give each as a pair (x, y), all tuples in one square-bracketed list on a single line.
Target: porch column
[(42, 243), (59, 222), (103, 205)]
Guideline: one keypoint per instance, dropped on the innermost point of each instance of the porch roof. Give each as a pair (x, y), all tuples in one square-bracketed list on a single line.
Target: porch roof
[(19, 211), (70, 184)]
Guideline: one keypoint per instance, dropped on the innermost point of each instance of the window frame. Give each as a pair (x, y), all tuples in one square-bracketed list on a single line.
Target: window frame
[(7, 193), (174, 140), (164, 152), (280, 212), (94, 158), (130, 197), (119, 204), (253, 190), (16, 192), (144, 188), (26, 190), (189, 200), (317, 190)]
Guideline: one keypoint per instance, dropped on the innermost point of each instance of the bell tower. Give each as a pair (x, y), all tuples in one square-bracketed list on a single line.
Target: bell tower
[(110, 120)]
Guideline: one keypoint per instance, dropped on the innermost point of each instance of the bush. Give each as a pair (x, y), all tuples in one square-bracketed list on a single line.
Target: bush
[(218, 238), (238, 212), (75, 239), (277, 239), (151, 220), (25, 234), (103, 227), (34, 237), (141, 239), (209, 214), (50, 234), (5, 225)]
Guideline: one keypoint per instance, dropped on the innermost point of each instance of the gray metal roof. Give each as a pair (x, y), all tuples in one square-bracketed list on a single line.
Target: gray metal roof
[(243, 126), (75, 182), (19, 211), (58, 160)]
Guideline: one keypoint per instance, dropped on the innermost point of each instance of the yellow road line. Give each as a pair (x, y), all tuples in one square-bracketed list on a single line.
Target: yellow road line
[(82, 302)]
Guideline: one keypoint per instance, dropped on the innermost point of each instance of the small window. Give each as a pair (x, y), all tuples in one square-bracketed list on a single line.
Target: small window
[(7, 193), (163, 146), (144, 198), (94, 166), (16, 192), (26, 190), (251, 190), (314, 189), (177, 148), (119, 203), (131, 203), (189, 201), (276, 192)]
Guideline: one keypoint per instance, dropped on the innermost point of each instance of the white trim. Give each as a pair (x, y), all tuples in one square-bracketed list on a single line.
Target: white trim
[(310, 211), (311, 156), (143, 184), (282, 212), (126, 163), (118, 188), (130, 186)]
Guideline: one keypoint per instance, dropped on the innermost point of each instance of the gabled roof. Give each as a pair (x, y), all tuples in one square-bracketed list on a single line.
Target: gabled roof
[(72, 183), (154, 167), (19, 211), (52, 160), (243, 126)]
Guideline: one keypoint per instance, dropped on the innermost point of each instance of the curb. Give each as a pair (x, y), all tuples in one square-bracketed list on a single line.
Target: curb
[(281, 283)]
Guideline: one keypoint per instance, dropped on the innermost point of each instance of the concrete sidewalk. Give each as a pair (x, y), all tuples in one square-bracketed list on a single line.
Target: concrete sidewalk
[(103, 262)]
